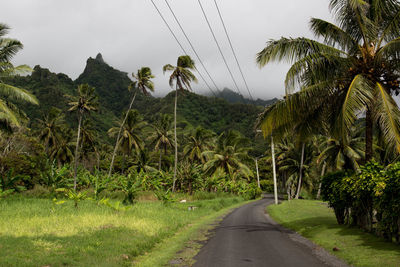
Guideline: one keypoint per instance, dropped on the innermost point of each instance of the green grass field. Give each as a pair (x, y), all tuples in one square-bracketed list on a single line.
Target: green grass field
[(36, 232), (315, 221)]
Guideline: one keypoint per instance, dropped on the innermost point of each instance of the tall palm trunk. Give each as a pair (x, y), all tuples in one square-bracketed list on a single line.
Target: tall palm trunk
[(77, 149), (301, 172), (274, 170), (368, 136), (320, 183), (119, 135), (176, 142)]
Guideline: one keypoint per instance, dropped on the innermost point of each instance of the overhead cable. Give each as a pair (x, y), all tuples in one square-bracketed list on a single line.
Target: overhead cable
[(180, 45), (233, 50)]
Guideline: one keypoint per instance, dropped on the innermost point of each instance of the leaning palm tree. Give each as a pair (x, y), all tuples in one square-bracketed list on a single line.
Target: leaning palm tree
[(9, 113), (130, 138), (182, 76), (162, 136), (143, 83), (84, 103), (355, 67)]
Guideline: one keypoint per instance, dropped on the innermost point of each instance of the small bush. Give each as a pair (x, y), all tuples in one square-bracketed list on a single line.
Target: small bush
[(39, 191)]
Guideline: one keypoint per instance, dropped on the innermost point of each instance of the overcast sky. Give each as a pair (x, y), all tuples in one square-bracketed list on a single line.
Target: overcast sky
[(62, 34)]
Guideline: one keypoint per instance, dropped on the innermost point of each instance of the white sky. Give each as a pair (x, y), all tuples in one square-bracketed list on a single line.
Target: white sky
[(62, 34)]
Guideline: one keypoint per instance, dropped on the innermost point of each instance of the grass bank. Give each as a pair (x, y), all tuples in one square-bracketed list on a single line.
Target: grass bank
[(315, 221), (36, 232)]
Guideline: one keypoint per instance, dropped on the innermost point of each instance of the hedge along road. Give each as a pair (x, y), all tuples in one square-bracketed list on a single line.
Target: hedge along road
[(248, 237)]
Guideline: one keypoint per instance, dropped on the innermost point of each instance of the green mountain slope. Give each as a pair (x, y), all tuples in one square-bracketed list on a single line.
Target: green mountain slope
[(111, 87)]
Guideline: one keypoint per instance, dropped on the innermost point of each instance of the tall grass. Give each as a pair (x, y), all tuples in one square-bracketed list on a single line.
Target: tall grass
[(37, 232)]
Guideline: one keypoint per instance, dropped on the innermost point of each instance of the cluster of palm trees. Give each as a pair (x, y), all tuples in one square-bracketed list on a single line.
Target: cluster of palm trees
[(199, 149), (341, 87)]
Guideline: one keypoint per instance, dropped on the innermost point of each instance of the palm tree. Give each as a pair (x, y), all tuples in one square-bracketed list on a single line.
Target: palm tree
[(182, 76), (143, 83), (199, 141), (9, 113), (84, 103), (229, 155), (293, 161), (63, 151), (130, 137), (88, 145), (51, 128), (342, 154), (162, 136), (355, 67), (143, 161)]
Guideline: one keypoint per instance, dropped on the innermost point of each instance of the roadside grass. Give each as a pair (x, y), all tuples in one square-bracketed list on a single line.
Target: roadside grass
[(183, 246), (315, 221), (36, 232)]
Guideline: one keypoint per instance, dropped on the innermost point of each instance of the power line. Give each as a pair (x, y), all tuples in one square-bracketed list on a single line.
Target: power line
[(219, 48), (181, 46), (233, 50), (191, 45)]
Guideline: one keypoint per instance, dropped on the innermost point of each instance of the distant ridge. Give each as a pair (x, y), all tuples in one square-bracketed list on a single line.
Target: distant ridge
[(228, 112), (233, 97)]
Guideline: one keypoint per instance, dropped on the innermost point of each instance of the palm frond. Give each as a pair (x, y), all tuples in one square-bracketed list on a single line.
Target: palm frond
[(291, 50), (388, 116), (17, 94), (359, 94)]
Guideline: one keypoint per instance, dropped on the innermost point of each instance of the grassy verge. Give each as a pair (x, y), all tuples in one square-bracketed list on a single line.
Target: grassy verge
[(315, 221), (36, 232)]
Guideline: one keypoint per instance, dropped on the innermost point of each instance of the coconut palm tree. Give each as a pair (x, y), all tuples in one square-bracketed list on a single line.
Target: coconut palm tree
[(198, 141), (83, 104), (131, 133), (162, 136), (89, 143), (229, 155), (143, 83), (343, 154), (10, 114), (182, 76), (51, 128), (62, 152), (355, 67)]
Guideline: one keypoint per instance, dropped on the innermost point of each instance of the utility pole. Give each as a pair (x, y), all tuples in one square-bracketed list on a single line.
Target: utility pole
[(274, 170), (258, 175)]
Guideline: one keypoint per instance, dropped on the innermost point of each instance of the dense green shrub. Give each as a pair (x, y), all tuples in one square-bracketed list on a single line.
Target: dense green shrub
[(332, 191), (368, 198), (387, 203)]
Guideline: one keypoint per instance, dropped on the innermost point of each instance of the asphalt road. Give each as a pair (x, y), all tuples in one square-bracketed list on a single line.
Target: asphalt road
[(247, 237)]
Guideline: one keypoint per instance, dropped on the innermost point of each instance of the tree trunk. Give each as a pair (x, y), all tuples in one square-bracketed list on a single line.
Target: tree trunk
[(320, 184), (301, 172), (368, 136), (274, 170), (176, 142), (77, 150), (119, 135)]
